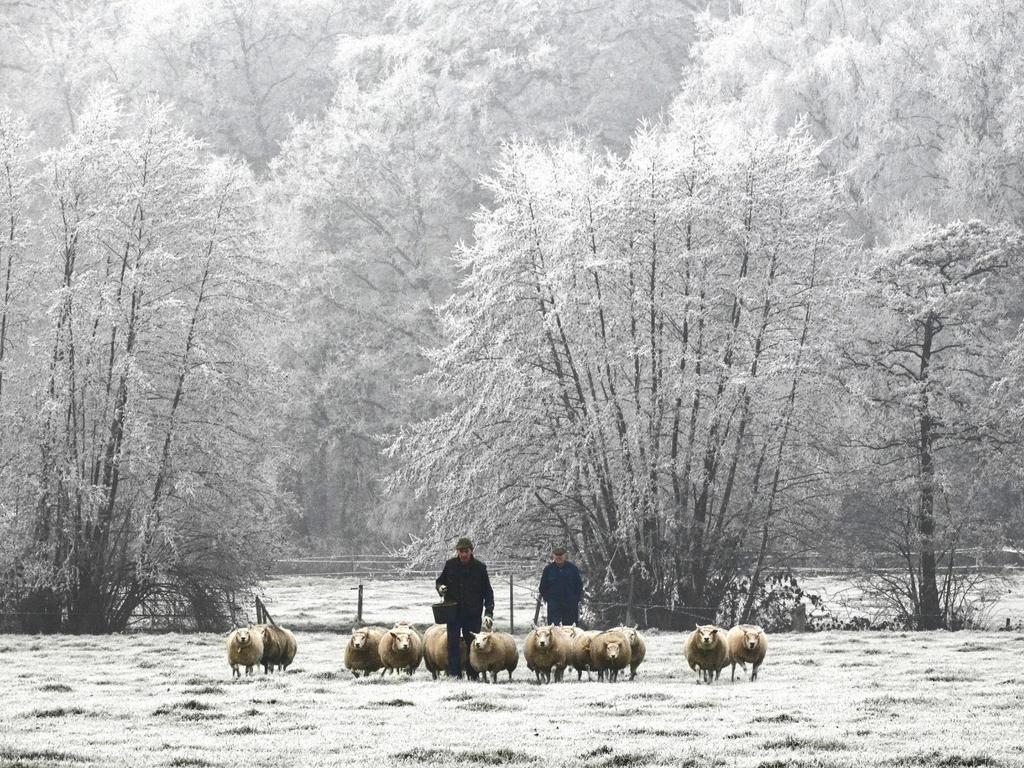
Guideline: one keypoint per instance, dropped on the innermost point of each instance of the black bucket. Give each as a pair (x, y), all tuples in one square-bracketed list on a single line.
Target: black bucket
[(444, 612)]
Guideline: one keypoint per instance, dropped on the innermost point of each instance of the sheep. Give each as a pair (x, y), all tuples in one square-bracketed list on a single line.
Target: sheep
[(707, 652), (637, 648), (245, 648), (279, 647), (401, 647), (362, 653), (289, 648), (609, 652), (435, 651), (581, 652), (493, 652), (269, 646), (547, 649), (746, 642), (572, 630)]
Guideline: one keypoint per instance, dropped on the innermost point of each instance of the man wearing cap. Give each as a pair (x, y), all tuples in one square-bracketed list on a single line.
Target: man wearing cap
[(562, 589), (464, 580)]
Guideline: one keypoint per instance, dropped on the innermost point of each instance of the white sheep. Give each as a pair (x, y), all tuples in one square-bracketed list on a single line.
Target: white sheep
[(400, 648), (435, 651), (279, 646), (245, 648), (581, 652), (706, 652), (637, 648), (609, 653), (547, 650), (493, 652), (747, 643), (362, 654)]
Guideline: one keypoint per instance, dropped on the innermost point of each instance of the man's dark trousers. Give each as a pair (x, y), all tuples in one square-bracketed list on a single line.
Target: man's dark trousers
[(461, 627), (563, 613)]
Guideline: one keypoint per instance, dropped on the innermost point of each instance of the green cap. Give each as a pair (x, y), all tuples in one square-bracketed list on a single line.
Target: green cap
[(463, 543), (558, 551)]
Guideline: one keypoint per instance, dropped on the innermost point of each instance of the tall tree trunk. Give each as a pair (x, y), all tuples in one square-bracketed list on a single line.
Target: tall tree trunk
[(930, 615), (7, 263)]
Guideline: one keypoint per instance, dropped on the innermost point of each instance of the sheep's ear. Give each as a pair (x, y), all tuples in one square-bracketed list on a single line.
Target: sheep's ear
[(714, 631), (697, 625), (393, 633)]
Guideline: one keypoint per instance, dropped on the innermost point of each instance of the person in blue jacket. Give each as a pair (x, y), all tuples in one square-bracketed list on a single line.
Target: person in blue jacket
[(561, 587)]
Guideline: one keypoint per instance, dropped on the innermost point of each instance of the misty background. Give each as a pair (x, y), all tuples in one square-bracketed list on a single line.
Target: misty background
[(699, 290)]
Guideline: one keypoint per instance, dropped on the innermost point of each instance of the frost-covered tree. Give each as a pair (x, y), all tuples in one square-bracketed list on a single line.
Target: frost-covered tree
[(632, 358), (920, 110), (51, 53), (240, 70), (150, 478), (375, 196), (919, 102), (932, 347)]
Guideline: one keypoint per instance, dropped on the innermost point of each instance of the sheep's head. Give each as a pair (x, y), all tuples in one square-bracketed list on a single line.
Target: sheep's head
[(629, 633), (543, 637), (401, 641), (267, 635), (243, 637), (613, 649), (358, 638), (750, 638), (708, 635), (482, 641)]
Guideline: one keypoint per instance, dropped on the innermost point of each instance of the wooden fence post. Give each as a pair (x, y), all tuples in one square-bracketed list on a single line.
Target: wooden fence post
[(536, 611), (799, 617), (262, 614), (359, 605), (511, 607)]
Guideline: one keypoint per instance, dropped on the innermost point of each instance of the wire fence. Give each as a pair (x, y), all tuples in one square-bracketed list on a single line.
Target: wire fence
[(380, 567), (518, 603)]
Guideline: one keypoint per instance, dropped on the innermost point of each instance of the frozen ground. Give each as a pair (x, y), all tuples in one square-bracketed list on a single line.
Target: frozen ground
[(829, 699)]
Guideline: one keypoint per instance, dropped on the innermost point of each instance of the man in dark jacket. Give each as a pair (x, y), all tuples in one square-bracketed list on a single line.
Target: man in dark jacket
[(562, 589), (464, 580)]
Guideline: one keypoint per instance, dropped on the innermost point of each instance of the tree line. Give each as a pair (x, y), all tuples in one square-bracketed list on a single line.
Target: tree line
[(284, 276)]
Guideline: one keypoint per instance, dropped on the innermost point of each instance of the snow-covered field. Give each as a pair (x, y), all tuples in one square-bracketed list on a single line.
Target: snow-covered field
[(829, 699)]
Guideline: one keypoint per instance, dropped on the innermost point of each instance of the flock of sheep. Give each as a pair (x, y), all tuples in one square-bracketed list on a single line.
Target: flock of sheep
[(548, 651)]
